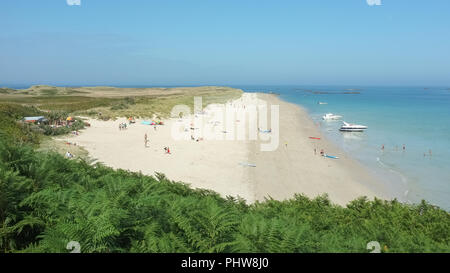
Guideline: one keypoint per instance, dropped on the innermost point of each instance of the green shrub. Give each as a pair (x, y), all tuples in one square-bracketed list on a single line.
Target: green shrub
[(47, 201), (48, 130)]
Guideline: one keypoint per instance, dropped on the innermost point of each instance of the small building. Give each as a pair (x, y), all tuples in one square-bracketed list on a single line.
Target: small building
[(39, 119)]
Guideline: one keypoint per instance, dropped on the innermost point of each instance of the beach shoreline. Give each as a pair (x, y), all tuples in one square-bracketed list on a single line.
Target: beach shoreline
[(238, 167), (297, 169)]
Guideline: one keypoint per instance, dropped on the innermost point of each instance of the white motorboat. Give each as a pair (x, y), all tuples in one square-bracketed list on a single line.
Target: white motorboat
[(322, 102), (331, 116), (348, 127)]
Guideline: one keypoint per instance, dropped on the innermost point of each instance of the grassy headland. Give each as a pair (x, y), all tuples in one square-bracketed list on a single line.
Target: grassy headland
[(114, 102)]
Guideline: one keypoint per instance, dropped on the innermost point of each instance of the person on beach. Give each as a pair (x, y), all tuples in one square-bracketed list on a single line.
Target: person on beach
[(382, 147), (322, 152), (315, 151), (145, 140)]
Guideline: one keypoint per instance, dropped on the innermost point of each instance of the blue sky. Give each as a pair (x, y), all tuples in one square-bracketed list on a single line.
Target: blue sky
[(226, 42)]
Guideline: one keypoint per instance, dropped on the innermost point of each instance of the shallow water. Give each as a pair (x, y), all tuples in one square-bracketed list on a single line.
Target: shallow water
[(415, 116)]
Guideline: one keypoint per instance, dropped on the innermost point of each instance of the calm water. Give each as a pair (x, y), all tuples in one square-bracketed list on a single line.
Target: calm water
[(416, 117)]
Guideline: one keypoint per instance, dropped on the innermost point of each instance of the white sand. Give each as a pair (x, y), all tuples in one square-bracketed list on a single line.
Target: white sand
[(215, 164)]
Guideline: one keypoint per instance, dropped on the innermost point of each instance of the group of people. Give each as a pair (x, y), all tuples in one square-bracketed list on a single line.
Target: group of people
[(404, 149), (322, 152), (166, 149), (123, 126), (70, 143), (396, 147), (196, 139)]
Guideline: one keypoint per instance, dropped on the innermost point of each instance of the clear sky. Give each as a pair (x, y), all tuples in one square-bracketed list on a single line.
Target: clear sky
[(225, 42)]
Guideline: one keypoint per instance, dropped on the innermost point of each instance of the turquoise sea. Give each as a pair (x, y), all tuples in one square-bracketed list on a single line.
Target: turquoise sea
[(417, 117)]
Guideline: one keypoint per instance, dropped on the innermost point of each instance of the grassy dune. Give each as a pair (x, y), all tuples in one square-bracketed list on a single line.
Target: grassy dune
[(111, 102), (115, 102)]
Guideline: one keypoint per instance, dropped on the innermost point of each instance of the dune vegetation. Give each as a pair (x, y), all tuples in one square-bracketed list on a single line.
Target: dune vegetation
[(47, 201), (113, 102)]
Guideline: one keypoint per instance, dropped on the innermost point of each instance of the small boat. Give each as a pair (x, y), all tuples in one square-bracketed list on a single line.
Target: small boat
[(331, 156), (331, 116), (322, 102), (348, 127)]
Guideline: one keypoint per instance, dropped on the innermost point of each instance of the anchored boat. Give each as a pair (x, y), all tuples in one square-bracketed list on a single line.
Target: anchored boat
[(331, 116), (348, 127)]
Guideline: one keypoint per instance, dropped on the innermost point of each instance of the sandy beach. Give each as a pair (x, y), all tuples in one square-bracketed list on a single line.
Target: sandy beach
[(236, 167)]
